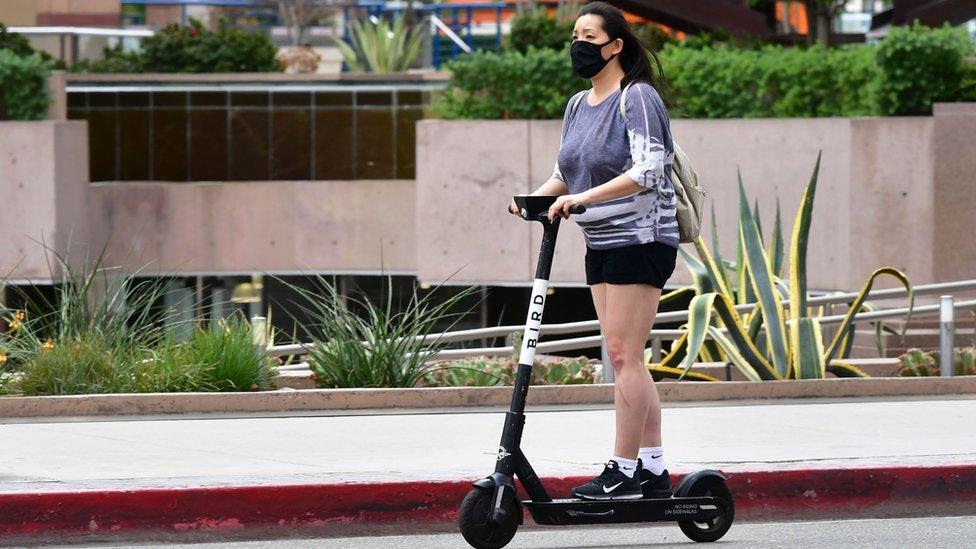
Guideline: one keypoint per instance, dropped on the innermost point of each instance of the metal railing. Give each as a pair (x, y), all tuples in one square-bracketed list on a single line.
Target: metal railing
[(658, 336)]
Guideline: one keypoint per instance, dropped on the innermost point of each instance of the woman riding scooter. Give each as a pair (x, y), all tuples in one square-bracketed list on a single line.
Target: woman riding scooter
[(616, 164)]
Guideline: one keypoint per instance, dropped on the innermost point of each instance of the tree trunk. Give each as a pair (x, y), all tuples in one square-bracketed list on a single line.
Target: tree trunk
[(818, 23), (296, 34), (408, 16), (823, 29)]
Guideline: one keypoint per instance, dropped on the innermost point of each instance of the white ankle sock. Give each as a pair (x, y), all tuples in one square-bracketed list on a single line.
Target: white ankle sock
[(652, 459), (627, 466)]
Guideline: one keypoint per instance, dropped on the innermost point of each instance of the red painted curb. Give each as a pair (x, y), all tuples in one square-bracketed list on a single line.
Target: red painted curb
[(807, 493)]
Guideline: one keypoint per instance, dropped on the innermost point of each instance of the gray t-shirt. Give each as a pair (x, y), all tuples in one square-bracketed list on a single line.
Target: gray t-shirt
[(598, 144)]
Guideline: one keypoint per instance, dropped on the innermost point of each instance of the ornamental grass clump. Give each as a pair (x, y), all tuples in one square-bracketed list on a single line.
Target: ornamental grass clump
[(221, 357), (379, 346), (107, 333), (88, 337)]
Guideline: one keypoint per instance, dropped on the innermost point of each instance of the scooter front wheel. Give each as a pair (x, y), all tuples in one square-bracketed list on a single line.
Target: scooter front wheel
[(473, 520), (715, 528)]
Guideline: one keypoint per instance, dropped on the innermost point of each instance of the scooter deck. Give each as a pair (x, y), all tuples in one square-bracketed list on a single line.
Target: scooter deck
[(577, 511)]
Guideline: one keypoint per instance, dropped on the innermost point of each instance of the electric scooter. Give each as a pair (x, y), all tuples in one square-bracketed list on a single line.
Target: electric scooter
[(491, 512)]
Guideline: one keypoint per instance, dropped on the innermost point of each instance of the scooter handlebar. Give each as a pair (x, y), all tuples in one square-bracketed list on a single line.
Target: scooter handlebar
[(575, 209)]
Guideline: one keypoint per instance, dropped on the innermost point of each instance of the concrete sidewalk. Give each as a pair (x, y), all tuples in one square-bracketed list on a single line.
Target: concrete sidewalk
[(461, 443), (454, 446)]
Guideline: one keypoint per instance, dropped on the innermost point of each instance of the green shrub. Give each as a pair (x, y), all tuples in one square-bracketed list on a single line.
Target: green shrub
[(921, 65), (723, 82), (534, 28), (16, 43), (114, 59), (13, 42), (710, 77), (23, 86), (509, 84), (193, 48)]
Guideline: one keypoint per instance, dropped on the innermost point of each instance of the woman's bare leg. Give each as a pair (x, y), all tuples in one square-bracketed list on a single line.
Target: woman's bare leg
[(628, 315)]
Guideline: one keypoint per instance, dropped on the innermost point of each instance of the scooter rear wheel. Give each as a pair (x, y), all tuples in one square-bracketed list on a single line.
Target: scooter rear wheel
[(473, 520), (714, 529)]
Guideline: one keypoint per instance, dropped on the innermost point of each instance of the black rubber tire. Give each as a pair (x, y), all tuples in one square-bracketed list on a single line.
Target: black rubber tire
[(473, 520), (716, 528)]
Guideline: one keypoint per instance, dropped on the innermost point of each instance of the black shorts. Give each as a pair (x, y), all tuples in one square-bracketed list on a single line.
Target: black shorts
[(651, 263)]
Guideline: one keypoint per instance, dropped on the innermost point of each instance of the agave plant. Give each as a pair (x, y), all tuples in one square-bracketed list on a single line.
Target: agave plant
[(770, 342), (380, 48)]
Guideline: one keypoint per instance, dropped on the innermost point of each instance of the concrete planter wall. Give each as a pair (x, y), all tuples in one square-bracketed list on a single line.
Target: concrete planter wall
[(353, 399), (890, 191), (43, 185), (893, 191)]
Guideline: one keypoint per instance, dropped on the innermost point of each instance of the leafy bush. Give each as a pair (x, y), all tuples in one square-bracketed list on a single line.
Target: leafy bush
[(23, 86), (533, 27), (509, 84), (711, 77), (12, 41), (921, 65), (193, 48), (721, 82)]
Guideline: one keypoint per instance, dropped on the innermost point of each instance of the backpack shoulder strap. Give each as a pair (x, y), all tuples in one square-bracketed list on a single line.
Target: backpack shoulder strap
[(576, 100), (623, 100)]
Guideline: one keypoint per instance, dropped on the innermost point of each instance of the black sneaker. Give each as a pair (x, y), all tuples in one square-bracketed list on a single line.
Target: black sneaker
[(654, 486), (611, 484)]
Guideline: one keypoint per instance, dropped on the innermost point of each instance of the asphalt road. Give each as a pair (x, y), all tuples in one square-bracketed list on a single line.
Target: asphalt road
[(927, 533)]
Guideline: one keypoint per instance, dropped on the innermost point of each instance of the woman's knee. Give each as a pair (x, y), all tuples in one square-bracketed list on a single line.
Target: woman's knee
[(622, 355)]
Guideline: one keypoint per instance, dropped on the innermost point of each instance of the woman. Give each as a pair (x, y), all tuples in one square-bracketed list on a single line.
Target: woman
[(617, 166)]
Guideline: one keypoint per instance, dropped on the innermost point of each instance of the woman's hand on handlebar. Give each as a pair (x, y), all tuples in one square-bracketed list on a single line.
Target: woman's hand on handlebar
[(563, 204), (513, 209)]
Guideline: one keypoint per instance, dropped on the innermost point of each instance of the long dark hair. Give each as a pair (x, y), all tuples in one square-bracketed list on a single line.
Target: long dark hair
[(637, 59)]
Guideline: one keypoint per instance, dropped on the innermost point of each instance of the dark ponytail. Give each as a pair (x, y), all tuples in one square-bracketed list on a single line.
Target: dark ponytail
[(638, 61)]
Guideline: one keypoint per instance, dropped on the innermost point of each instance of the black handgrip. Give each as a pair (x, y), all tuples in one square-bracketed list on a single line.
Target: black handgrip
[(577, 209)]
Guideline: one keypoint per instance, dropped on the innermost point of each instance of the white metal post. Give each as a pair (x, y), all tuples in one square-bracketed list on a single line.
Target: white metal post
[(259, 338), (946, 336)]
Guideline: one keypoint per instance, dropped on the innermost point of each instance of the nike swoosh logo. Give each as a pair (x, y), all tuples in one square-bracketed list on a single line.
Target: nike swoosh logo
[(645, 482), (608, 489), (657, 456)]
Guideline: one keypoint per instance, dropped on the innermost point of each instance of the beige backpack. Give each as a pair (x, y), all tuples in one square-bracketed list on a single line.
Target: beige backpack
[(690, 194)]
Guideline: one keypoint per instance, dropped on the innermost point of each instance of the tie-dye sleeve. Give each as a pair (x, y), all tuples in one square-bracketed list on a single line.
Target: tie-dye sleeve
[(645, 119), (556, 174)]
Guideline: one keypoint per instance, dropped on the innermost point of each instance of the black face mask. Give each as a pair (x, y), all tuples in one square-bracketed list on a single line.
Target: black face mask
[(587, 59)]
